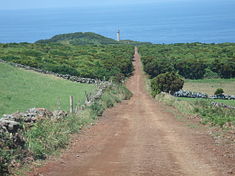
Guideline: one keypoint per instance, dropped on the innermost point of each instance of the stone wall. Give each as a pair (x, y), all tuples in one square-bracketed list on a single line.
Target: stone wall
[(12, 123), (222, 105), (67, 76), (189, 94)]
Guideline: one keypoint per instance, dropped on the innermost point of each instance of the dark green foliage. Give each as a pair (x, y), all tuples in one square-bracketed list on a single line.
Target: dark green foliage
[(225, 68), (191, 69), (190, 60), (62, 69), (5, 152), (219, 91), (84, 61), (97, 108), (169, 82), (118, 78), (80, 38), (12, 147), (156, 67), (87, 38), (209, 74)]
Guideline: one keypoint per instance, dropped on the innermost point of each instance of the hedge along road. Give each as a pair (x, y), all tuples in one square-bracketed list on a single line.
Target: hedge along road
[(139, 137)]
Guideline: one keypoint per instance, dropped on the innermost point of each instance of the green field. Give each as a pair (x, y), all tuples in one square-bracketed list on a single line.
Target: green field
[(227, 102), (21, 89), (209, 86)]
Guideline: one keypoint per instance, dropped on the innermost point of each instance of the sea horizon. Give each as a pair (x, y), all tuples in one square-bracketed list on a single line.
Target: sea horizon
[(155, 23)]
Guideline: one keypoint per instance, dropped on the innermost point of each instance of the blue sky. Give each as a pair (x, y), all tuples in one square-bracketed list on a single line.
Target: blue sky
[(31, 4), (35, 4)]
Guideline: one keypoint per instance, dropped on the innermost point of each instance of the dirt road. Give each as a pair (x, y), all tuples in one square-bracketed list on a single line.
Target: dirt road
[(139, 137)]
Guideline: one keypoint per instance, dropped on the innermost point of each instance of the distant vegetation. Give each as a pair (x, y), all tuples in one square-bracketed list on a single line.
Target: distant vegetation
[(87, 38), (80, 38), (92, 61), (21, 90), (191, 60), (96, 57)]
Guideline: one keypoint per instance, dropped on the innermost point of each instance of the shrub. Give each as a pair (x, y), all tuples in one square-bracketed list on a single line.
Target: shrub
[(219, 91), (209, 74), (191, 69), (169, 82), (97, 108)]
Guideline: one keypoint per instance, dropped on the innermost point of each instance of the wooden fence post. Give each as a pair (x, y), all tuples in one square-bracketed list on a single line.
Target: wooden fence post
[(71, 104)]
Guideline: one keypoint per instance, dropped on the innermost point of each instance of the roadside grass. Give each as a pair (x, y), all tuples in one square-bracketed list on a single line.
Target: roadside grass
[(209, 86), (215, 116), (227, 102), (21, 90), (48, 137)]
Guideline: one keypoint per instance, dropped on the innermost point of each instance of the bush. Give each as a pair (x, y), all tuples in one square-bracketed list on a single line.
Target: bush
[(97, 108), (190, 60), (169, 82), (5, 159), (191, 69), (209, 74), (219, 91)]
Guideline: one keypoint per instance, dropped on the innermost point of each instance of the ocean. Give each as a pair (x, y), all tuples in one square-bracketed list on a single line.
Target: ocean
[(165, 22)]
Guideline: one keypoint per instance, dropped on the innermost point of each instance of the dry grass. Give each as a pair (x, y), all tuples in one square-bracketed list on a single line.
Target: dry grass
[(209, 86)]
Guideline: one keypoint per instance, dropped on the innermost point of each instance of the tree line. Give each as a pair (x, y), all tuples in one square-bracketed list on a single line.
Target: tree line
[(190, 60), (91, 61)]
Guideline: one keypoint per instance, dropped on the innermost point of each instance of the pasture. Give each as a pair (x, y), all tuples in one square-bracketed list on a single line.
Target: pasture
[(21, 90)]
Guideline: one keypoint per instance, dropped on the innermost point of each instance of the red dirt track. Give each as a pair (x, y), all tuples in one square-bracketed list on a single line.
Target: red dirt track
[(139, 137)]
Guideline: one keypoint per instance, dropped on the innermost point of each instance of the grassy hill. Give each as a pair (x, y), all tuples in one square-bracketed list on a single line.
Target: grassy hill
[(80, 38), (87, 38), (21, 89)]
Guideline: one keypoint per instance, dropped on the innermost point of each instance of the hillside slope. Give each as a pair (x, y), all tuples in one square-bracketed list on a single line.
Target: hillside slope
[(80, 38), (87, 38), (21, 89)]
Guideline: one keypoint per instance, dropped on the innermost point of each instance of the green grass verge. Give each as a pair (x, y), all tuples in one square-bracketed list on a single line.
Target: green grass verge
[(214, 116), (209, 86), (48, 136), (227, 102), (21, 90)]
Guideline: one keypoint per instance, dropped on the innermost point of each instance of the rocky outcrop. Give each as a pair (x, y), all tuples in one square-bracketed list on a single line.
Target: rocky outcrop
[(91, 98)]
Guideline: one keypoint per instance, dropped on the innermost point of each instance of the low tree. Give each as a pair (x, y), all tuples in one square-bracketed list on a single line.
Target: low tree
[(169, 82), (219, 91)]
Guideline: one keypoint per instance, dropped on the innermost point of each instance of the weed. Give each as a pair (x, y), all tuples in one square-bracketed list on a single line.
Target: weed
[(215, 116)]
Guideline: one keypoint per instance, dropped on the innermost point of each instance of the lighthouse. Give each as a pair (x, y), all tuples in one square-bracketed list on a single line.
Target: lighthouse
[(118, 35)]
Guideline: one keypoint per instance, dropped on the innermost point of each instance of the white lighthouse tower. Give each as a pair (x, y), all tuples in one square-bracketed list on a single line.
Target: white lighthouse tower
[(118, 35)]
